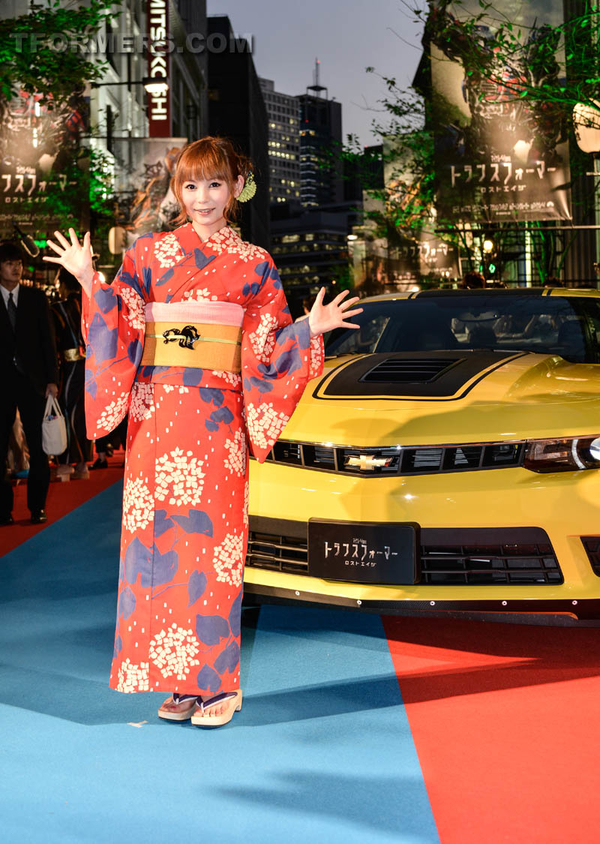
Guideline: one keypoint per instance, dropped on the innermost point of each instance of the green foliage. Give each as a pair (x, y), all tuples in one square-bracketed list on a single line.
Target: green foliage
[(46, 53), (563, 69), (566, 52), (405, 207), (31, 58)]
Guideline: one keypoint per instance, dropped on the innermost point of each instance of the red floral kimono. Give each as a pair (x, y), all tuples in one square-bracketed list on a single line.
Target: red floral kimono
[(185, 501)]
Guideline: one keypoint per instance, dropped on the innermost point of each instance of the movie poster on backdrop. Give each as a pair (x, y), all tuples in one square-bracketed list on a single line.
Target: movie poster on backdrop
[(498, 156), (148, 181), (43, 171), (379, 265), (438, 259), (423, 256)]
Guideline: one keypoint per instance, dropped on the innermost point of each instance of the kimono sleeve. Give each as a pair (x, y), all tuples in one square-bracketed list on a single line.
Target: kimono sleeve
[(113, 322), (279, 358)]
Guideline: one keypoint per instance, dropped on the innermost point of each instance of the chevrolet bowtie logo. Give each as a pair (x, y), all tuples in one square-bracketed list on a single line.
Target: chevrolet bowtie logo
[(366, 462)]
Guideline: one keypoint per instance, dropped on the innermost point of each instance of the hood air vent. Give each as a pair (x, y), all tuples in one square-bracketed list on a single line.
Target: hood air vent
[(418, 375), (408, 370)]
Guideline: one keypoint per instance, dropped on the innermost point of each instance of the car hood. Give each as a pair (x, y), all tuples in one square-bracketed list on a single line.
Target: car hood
[(447, 397)]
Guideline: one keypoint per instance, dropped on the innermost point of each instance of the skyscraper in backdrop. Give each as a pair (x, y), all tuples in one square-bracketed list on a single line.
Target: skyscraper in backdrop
[(236, 109), (320, 131), (284, 143)]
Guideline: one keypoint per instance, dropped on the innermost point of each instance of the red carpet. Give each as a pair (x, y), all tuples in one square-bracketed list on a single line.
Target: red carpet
[(505, 722), (62, 498)]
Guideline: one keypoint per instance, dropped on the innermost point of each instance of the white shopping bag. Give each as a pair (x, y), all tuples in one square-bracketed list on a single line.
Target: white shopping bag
[(54, 428)]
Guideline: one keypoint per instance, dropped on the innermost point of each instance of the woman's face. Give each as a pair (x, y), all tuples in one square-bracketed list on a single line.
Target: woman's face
[(205, 200)]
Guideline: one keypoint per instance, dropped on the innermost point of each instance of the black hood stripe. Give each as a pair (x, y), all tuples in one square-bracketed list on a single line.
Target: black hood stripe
[(345, 381)]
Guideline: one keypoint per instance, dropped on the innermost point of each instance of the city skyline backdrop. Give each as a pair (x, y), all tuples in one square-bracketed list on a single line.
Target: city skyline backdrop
[(346, 38)]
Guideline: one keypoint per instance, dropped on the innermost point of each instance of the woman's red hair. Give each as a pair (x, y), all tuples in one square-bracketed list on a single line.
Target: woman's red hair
[(210, 158)]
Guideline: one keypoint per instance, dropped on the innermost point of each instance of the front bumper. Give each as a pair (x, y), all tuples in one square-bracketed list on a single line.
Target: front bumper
[(563, 505), (551, 613)]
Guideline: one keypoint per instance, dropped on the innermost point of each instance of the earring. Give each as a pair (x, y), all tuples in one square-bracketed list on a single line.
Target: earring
[(248, 190)]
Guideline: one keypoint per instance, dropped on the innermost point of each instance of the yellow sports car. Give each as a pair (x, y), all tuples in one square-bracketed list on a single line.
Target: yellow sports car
[(445, 462)]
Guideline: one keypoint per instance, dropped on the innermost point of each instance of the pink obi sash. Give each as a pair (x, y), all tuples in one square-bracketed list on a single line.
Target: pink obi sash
[(213, 313)]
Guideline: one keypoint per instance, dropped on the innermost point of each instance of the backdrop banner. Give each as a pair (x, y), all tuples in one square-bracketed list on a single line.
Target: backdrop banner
[(146, 180), (42, 170), (423, 256), (498, 156)]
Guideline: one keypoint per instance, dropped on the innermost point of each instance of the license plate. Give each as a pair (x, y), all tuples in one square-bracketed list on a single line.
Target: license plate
[(367, 552)]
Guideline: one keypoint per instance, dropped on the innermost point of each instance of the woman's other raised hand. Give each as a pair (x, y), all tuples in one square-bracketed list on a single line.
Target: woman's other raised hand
[(75, 257), (323, 318)]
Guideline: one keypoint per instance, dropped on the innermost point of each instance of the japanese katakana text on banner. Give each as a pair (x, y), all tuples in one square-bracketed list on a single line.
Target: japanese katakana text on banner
[(500, 156)]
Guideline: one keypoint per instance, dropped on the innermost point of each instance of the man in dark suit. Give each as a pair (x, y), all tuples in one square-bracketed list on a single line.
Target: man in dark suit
[(29, 375)]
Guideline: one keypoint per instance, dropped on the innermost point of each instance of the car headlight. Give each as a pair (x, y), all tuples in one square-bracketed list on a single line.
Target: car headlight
[(566, 455)]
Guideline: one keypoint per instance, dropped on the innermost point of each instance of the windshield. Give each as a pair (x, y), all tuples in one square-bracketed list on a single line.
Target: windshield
[(530, 323)]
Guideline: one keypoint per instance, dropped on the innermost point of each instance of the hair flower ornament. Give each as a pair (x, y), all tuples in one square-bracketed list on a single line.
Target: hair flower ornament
[(248, 190)]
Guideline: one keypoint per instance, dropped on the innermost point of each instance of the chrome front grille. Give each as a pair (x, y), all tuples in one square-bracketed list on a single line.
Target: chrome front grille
[(279, 552), (397, 460)]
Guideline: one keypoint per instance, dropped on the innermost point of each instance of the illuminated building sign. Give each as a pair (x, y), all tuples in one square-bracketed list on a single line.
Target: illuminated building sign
[(159, 99)]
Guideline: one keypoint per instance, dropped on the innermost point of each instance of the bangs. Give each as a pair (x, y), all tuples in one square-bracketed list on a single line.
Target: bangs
[(196, 173), (203, 162)]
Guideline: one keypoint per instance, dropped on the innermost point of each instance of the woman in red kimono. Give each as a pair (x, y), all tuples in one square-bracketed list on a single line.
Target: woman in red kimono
[(195, 341)]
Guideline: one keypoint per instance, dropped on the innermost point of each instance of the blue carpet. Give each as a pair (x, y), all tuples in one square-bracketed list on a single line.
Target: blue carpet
[(321, 750)]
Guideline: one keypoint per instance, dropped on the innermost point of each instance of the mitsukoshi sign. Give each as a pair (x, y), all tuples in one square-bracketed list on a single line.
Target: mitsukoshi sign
[(499, 156), (159, 99)]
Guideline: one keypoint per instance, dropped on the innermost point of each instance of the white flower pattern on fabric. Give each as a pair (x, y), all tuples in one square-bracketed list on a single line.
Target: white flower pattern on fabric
[(179, 477), (134, 678), (170, 388), (265, 424), (228, 560), (231, 377), (138, 505), (173, 652), (134, 314), (113, 413), (203, 295), (317, 356), (226, 240), (263, 339), (236, 457), (142, 401), (167, 250), (246, 502)]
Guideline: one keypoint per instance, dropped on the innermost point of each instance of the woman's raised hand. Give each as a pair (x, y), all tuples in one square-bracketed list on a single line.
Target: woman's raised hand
[(75, 257), (323, 318)]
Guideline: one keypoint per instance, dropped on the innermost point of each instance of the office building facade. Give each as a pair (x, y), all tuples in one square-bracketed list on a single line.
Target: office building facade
[(320, 167), (236, 110), (284, 143)]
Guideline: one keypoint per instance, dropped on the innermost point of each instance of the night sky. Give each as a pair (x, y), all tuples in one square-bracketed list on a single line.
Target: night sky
[(346, 35)]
